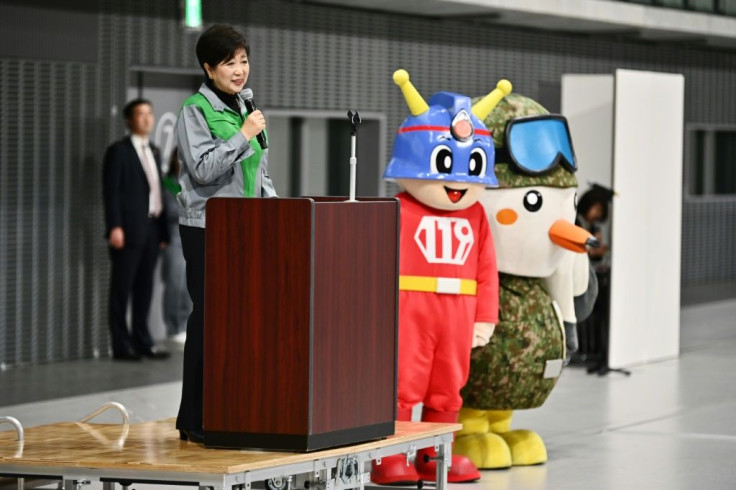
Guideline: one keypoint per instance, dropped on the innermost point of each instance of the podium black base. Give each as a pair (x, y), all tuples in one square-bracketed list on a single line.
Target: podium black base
[(298, 443)]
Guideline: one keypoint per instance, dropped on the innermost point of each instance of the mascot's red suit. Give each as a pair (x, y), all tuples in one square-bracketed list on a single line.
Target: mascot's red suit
[(448, 286)]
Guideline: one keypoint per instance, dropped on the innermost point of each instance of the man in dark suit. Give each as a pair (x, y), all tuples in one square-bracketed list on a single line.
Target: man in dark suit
[(136, 230)]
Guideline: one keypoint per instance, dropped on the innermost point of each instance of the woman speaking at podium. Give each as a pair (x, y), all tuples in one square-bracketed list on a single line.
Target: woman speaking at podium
[(221, 157)]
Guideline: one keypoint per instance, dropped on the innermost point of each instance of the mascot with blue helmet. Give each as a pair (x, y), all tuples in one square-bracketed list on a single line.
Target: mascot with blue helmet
[(448, 286)]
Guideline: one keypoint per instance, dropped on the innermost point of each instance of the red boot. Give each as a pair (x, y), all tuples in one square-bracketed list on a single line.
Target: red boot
[(393, 470), (462, 469)]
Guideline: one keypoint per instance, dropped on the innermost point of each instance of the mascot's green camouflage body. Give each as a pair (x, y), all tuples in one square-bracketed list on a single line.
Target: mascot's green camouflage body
[(508, 372), (520, 365)]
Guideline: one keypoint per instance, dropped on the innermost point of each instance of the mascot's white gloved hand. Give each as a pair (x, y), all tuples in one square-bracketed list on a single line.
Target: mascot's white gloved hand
[(482, 333)]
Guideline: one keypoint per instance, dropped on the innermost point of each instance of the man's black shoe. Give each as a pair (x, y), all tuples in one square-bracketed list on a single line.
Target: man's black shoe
[(155, 353), (191, 435), (126, 356)]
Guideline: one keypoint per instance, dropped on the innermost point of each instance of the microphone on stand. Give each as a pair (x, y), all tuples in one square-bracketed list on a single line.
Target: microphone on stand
[(250, 106)]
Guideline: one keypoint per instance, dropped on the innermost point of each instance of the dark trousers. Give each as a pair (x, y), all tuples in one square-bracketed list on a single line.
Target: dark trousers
[(132, 274), (190, 410)]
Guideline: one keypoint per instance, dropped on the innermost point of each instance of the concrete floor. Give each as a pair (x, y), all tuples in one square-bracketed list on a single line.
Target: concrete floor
[(670, 425)]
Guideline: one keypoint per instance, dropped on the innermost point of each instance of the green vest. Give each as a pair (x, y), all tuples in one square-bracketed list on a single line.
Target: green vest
[(224, 125), (508, 372), (171, 184)]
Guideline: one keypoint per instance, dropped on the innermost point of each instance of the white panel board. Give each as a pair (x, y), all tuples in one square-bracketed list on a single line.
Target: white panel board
[(587, 103), (646, 226)]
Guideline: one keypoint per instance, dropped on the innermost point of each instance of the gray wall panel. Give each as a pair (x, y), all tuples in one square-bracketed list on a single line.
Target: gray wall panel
[(43, 32), (708, 241), (50, 211), (60, 108)]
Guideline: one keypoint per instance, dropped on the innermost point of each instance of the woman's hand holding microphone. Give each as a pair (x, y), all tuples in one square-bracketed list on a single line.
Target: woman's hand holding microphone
[(253, 125)]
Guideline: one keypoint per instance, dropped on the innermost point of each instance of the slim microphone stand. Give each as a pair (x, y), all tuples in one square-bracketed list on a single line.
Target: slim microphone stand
[(354, 118)]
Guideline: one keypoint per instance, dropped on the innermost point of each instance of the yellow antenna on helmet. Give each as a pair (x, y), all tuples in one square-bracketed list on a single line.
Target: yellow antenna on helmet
[(484, 106), (413, 98)]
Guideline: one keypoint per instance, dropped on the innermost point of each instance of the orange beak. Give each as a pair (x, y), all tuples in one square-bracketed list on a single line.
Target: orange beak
[(571, 237)]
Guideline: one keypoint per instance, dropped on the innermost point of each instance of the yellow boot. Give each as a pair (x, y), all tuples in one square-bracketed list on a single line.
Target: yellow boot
[(476, 442), (526, 447), (499, 420), (474, 422)]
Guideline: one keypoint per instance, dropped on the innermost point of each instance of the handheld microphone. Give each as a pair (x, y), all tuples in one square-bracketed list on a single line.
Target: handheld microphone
[(250, 106)]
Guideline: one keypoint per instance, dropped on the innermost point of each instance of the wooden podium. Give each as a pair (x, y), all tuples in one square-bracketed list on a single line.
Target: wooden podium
[(300, 322)]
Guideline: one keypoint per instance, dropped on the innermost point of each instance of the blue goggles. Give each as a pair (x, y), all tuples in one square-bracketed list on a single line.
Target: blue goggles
[(537, 144)]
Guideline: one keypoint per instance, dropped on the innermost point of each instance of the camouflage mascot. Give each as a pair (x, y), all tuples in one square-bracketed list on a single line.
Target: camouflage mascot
[(448, 298), (542, 266)]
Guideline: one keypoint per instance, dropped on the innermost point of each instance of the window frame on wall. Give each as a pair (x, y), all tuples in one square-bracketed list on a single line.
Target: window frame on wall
[(297, 181), (717, 7), (700, 174)]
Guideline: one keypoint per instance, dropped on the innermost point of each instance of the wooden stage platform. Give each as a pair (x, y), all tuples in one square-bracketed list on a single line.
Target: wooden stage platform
[(151, 452)]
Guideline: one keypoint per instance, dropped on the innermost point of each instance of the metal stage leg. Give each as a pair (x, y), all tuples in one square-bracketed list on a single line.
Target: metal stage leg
[(444, 455), (108, 485)]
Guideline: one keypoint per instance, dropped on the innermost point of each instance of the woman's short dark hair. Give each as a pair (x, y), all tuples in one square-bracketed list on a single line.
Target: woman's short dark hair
[(594, 196), (218, 44)]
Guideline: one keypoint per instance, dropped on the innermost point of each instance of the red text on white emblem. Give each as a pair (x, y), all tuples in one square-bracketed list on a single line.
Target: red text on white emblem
[(444, 240)]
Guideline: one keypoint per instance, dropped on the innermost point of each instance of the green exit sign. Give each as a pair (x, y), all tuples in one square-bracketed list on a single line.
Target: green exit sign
[(193, 14)]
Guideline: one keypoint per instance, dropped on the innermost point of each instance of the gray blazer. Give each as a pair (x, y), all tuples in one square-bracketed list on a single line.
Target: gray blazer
[(210, 165)]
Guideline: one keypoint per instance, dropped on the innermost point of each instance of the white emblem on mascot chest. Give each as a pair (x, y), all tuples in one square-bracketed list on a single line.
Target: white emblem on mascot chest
[(444, 240)]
